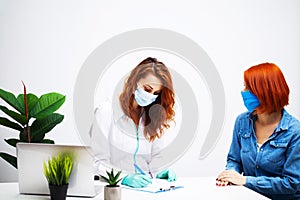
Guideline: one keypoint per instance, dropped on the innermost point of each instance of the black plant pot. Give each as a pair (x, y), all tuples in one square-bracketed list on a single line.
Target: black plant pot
[(58, 192)]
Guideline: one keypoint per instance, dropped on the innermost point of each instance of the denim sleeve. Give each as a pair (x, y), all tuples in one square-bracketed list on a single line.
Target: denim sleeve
[(288, 182), (234, 157)]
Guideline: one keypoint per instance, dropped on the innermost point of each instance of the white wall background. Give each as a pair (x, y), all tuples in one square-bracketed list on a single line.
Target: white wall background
[(44, 43)]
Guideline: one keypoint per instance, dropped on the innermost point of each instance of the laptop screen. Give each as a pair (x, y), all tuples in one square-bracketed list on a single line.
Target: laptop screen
[(31, 156)]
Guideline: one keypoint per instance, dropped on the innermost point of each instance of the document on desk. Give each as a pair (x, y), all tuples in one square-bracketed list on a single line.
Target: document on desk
[(157, 186)]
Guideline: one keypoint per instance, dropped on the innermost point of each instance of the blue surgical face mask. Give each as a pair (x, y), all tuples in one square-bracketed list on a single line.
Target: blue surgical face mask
[(144, 98), (250, 100)]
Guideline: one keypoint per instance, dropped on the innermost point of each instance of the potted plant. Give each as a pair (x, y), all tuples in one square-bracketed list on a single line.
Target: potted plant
[(57, 171), (31, 116), (112, 191)]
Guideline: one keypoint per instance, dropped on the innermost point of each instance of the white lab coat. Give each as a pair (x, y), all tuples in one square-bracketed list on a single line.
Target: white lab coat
[(113, 140)]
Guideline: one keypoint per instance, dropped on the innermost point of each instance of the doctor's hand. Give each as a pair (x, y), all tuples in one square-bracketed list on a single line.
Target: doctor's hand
[(168, 174), (136, 180)]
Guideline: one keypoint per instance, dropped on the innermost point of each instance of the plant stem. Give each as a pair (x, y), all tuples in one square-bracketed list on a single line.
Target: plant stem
[(26, 113)]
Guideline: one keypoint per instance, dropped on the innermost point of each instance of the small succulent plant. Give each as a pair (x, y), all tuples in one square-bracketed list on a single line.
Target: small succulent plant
[(112, 179)]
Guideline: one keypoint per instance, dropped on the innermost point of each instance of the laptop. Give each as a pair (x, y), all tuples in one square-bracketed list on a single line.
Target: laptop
[(30, 159)]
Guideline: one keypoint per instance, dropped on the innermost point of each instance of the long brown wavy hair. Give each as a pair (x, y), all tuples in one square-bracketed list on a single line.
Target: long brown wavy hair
[(158, 115)]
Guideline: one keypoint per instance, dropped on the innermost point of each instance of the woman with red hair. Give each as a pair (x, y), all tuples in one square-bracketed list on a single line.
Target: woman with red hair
[(132, 141), (265, 150)]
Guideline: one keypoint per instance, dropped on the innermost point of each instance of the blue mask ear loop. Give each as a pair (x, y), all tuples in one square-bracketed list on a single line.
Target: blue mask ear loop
[(137, 146)]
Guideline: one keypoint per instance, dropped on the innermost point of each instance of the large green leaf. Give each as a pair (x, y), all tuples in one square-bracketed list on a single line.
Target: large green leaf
[(16, 116), (42, 126), (37, 138), (10, 98), (47, 141), (31, 101), (10, 124), (12, 142), (9, 158), (47, 104)]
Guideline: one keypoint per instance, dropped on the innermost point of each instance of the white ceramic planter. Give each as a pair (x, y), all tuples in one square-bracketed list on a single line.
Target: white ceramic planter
[(112, 193)]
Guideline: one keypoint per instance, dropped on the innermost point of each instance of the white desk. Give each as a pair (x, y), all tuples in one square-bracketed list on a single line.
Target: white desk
[(194, 189)]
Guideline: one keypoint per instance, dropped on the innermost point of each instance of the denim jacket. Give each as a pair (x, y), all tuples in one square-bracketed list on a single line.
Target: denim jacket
[(273, 169)]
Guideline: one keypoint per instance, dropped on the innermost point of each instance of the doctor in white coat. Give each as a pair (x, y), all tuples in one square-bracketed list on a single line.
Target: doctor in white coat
[(129, 134)]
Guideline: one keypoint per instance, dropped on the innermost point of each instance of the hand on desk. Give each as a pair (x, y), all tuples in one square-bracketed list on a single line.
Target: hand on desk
[(168, 174), (136, 180), (230, 177)]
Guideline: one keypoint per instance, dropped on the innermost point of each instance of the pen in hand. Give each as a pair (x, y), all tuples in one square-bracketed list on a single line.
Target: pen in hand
[(150, 174), (139, 169)]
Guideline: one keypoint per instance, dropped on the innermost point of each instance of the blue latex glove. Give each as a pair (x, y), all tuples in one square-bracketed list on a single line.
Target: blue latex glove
[(136, 180), (168, 174)]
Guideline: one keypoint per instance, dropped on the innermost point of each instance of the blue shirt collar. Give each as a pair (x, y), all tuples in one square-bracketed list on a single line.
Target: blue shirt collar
[(283, 124)]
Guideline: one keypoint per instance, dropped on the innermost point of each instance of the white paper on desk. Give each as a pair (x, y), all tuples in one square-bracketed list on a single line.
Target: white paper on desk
[(157, 185)]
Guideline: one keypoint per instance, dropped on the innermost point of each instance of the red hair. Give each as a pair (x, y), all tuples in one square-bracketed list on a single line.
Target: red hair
[(158, 114), (267, 83)]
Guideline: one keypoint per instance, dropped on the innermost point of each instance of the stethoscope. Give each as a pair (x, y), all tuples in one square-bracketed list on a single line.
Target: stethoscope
[(137, 169), (137, 147)]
